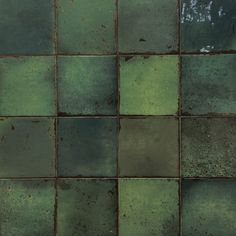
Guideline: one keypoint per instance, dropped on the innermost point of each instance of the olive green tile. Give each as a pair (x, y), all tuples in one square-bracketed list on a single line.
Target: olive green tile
[(27, 86), (149, 85), (148, 207), (208, 26), (148, 147), (87, 85), (26, 27), (27, 147), (86, 26), (208, 84), (208, 147), (209, 207), (87, 207), (148, 26), (87, 146), (27, 207)]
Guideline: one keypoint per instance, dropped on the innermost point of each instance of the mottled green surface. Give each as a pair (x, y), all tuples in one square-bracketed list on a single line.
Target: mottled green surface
[(87, 207), (27, 86), (87, 26), (26, 27), (148, 207), (208, 84), (26, 208), (149, 85), (27, 147), (148, 147), (87, 147), (87, 85), (208, 26), (148, 26), (208, 147), (209, 207)]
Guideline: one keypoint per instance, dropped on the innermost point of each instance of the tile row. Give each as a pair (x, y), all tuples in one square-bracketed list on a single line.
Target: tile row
[(126, 85), (108, 147), (95, 27)]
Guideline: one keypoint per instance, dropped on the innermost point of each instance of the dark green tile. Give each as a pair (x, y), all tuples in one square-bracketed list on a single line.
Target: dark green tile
[(208, 26), (87, 207), (148, 26), (87, 26), (27, 147), (27, 207), (208, 147), (148, 147), (27, 86), (149, 85), (26, 27), (148, 207), (87, 85), (87, 147), (209, 207), (208, 84)]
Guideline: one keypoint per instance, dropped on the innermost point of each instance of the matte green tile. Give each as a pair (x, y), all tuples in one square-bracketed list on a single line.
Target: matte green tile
[(208, 147), (148, 147), (26, 27), (27, 147), (87, 147), (149, 85), (208, 26), (148, 26), (27, 207), (148, 207), (208, 84), (86, 26), (27, 86), (87, 85), (209, 207), (87, 207)]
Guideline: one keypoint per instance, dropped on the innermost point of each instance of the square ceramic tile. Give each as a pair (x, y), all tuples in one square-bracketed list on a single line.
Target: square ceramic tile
[(27, 86), (208, 147), (148, 147), (86, 26), (27, 207), (27, 147), (149, 85), (148, 207), (87, 207), (26, 27), (87, 147), (87, 85), (209, 207), (208, 26), (208, 84), (148, 26)]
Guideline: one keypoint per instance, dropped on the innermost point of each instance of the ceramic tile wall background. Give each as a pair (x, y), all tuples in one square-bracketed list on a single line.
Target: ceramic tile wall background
[(117, 117)]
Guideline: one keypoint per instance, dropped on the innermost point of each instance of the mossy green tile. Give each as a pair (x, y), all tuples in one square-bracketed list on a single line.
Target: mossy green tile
[(148, 147), (87, 85), (208, 26), (148, 26), (27, 147), (209, 207), (27, 86), (86, 26), (27, 207), (149, 85), (148, 207), (87, 146), (208, 147), (87, 207), (26, 27), (208, 84)]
